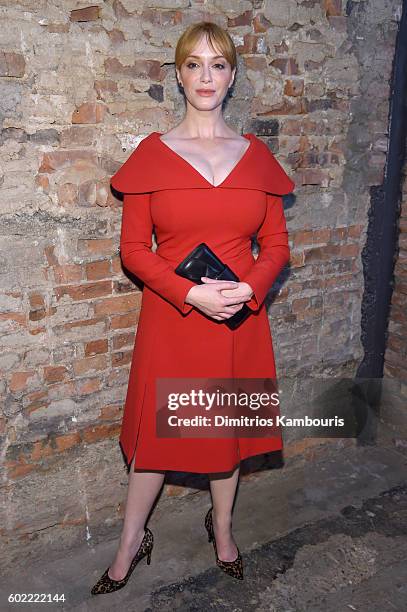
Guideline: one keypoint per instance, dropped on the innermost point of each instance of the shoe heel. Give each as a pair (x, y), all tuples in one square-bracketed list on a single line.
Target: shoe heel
[(233, 568), (105, 584)]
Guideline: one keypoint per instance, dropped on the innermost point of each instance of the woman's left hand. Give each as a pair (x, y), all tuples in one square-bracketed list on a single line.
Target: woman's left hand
[(243, 291)]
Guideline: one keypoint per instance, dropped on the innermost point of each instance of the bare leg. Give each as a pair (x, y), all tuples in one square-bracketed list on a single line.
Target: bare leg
[(142, 492), (223, 492)]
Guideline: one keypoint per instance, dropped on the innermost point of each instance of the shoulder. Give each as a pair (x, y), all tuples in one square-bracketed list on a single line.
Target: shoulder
[(263, 152), (144, 145), (130, 173), (269, 174), (261, 146)]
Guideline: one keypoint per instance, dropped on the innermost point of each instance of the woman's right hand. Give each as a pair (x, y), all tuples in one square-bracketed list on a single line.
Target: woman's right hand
[(209, 299)]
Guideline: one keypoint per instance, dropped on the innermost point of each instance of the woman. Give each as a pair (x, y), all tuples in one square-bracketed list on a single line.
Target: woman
[(199, 182)]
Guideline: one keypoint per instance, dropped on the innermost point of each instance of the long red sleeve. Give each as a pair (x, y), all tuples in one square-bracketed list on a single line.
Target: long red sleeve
[(274, 252), (138, 258)]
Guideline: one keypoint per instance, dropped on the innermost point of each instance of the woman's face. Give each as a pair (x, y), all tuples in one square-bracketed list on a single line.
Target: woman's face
[(206, 76)]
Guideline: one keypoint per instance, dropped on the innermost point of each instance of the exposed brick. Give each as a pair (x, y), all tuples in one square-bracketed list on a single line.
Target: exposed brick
[(100, 432), (62, 393), (299, 305), (117, 377), (84, 291), (54, 374), (17, 470), (53, 445), (288, 106), (49, 252), (89, 364), (11, 64), (84, 323), (105, 86), (124, 286), (302, 237), (261, 24), (124, 321), (140, 69), (167, 17), (17, 317), (241, 20), (116, 36), (57, 160), (297, 260), (67, 441), (339, 233), (116, 264), (96, 347), (118, 304), (35, 400), (89, 112), (256, 63), (98, 270), (294, 87), (121, 358), (286, 65), (67, 194), (122, 340), (314, 177), (253, 44), (110, 412), (88, 13), (78, 136), (19, 380), (68, 273), (37, 300), (97, 246), (88, 386)]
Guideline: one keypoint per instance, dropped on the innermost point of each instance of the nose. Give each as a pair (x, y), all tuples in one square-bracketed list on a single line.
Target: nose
[(206, 74)]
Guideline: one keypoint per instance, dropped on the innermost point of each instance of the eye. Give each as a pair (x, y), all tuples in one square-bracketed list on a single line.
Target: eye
[(190, 65)]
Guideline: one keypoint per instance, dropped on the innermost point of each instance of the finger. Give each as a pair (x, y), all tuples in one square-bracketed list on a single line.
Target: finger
[(232, 301), (224, 284)]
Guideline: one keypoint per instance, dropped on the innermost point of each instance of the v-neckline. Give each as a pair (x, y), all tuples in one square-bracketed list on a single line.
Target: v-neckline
[(248, 136)]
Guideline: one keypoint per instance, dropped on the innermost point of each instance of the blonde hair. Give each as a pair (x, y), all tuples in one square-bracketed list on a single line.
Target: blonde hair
[(218, 39)]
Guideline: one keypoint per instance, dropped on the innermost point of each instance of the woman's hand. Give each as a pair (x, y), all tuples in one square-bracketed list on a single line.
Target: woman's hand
[(219, 299)]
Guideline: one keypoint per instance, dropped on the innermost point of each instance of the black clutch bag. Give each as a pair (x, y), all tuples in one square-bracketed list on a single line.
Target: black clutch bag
[(202, 261)]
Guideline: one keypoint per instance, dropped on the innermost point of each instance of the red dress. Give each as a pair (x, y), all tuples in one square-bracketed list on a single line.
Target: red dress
[(174, 339)]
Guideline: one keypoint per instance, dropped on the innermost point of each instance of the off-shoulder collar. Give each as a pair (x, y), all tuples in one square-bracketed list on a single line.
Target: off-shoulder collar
[(153, 166)]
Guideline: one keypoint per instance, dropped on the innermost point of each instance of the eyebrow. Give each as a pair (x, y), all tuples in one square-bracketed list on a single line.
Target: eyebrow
[(213, 56)]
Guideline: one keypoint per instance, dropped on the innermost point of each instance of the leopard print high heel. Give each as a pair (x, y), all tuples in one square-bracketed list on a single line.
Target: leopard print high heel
[(106, 584), (233, 568)]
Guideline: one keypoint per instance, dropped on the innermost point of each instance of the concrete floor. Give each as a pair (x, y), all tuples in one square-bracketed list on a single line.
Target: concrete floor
[(315, 537)]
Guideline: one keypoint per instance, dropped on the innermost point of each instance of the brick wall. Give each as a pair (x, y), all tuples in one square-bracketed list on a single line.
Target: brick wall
[(81, 86), (394, 394)]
